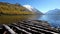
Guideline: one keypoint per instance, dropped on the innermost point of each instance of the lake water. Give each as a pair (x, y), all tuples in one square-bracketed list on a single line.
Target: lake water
[(54, 20), (7, 19)]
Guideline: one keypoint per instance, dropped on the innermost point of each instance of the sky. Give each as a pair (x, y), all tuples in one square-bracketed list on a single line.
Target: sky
[(42, 5)]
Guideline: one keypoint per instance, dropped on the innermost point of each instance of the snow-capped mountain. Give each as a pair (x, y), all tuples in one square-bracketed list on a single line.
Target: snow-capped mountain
[(32, 9), (54, 12)]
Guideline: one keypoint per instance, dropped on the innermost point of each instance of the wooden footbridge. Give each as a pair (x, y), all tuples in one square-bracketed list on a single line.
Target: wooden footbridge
[(27, 27)]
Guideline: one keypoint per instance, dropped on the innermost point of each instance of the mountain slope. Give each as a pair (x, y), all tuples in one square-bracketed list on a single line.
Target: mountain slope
[(54, 12), (33, 9), (7, 8)]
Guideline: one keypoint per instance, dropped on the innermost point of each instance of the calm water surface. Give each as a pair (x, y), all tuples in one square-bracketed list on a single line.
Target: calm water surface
[(54, 20), (7, 19)]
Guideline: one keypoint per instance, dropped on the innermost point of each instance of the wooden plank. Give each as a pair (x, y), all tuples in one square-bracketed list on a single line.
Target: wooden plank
[(9, 29)]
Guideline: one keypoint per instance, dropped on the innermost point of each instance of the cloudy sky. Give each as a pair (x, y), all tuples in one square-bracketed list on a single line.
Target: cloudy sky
[(41, 5)]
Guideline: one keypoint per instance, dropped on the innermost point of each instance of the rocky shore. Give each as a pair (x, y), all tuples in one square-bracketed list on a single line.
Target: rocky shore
[(28, 27)]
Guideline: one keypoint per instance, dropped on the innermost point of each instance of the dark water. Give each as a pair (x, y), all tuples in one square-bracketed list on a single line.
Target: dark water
[(54, 20), (8, 19)]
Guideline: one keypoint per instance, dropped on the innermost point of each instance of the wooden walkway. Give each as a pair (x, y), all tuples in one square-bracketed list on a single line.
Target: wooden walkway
[(27, 27)]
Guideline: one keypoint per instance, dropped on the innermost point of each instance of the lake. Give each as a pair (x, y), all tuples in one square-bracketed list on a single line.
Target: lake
[(53, 20), (7, 19)]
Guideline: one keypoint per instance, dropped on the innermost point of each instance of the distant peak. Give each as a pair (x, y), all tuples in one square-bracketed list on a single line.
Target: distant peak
[(57, 9), (29, 7)]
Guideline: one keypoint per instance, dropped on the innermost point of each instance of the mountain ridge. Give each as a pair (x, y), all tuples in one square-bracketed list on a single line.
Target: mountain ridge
[(32, 9), (8, 8), (54, 12)]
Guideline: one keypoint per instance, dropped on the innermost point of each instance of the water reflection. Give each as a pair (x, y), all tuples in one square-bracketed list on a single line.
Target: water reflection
[(6, 19), (54, 20)]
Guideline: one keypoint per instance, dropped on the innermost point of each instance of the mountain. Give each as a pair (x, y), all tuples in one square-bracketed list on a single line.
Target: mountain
[(54, 12), (8, 8), (32, 9)]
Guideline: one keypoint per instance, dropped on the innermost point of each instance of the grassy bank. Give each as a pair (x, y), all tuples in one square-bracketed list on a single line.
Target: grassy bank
[(7, 8)]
